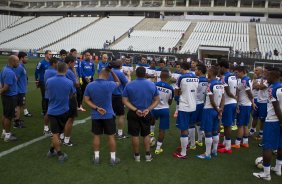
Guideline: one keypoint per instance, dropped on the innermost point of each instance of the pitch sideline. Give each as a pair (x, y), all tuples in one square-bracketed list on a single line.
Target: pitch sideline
[(18, 147)]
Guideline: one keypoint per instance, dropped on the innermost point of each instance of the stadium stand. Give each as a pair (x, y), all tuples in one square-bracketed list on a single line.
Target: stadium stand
[(7, 20), (49, 34), (176, 26), (27, 27), (95, 35), (21, 20), (149, 41), (235, 35), (270, 38)]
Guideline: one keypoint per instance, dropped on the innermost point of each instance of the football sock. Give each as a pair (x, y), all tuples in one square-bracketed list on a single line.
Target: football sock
[(278, 165), (245, 140), (120, 132), (62, 136), (266, 169), (7, 135), (215, 143), (96, 154), (192, 136), (208, 142), (46, 128), (159, 144), (113, 155), (67, 140), (238, 141), (184, 143), (228, 144), (25, 111)]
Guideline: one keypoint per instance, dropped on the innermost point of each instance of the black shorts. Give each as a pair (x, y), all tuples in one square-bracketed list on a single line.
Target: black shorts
[(9, 105), (103, 126), (138, 125), (117, 104), (57, 123), (21, 99), (72, 107)]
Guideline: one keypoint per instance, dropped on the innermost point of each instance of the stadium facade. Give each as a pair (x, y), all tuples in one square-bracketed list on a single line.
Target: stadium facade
[(148, 8)]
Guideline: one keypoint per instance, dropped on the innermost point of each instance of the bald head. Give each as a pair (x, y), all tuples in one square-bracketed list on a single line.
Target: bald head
[(13, 61), (105, 57)]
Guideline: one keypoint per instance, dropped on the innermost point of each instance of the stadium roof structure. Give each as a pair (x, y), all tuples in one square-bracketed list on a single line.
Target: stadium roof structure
[(256, 8)]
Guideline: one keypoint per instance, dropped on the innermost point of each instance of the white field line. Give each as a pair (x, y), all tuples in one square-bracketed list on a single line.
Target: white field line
[(18, 147)]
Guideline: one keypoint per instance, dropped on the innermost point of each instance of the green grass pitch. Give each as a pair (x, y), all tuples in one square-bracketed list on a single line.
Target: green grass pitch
[(30, 164)]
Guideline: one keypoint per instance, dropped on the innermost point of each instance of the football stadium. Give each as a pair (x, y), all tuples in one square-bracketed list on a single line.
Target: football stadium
[(141, 91)]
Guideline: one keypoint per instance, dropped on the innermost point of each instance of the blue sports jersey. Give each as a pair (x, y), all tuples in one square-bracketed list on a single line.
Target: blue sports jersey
[(140, 93), (71, 76), (22, 78), (41, 67), (59, 90), (101, 65), (100, 93), (87, 69), (123, 80), (77, 67), (166, 93), (9, 77)]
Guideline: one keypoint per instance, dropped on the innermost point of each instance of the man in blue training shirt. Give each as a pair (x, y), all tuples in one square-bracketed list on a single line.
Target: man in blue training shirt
[(9, 91), (70, 61), (162, 110), (58, 108), (63, 55), (87, 71), (50, 72), (98, 95), (103, 64), (22, 88), (77, 66), (272, 130), (41, 67), (140, 96), (117, 104)]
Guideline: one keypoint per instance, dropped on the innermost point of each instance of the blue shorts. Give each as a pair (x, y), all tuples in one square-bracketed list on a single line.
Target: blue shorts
[(228, 115), (184, 119), (210, 120), (272, 136), (197, 115), (163, 114), (243, 117), (262, 110), (255, 113)]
